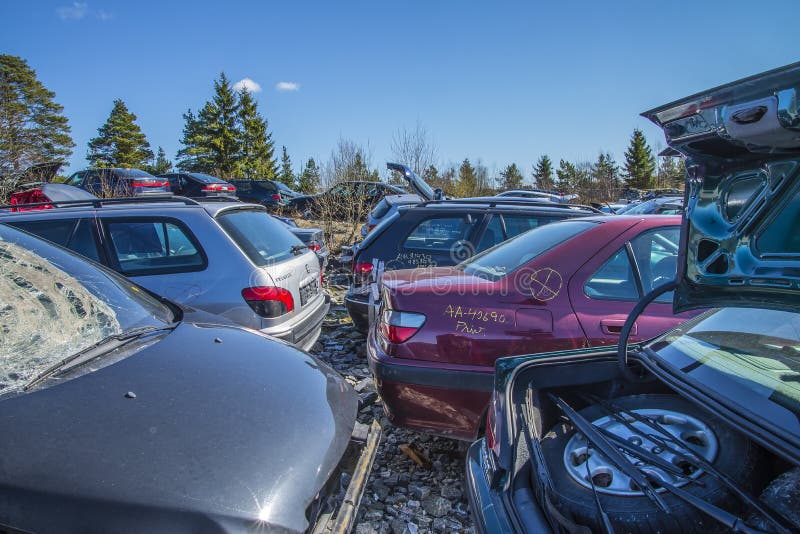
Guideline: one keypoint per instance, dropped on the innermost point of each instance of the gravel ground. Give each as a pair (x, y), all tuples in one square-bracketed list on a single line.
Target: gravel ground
[(401, 496)]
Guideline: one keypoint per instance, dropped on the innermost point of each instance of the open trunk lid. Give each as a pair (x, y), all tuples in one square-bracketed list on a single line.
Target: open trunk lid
[(740, 244), (417, 184)]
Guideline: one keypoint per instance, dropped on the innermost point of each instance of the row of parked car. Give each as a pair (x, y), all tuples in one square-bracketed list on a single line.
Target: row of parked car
[(510, 318), (152, 376)]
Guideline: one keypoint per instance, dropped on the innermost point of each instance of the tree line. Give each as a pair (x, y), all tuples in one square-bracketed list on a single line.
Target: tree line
[(229, 137)]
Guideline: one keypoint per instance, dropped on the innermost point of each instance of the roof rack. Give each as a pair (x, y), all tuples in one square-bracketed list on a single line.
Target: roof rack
[(511, 202), (100, 202)]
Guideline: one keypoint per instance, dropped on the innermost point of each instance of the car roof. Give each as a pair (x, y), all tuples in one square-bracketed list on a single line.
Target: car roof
[(501, 203)]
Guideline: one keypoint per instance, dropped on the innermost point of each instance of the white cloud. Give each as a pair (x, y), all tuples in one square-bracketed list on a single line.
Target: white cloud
[(248, 84), (76, 11), (287, 86), (103, 15)]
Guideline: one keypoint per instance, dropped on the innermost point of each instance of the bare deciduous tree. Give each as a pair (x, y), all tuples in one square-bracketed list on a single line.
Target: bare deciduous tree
[(414, 147)]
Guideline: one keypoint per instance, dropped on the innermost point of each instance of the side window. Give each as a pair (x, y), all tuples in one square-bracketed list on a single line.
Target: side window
[(517, 224), (656, 254), (154, 247), (65, 233), (75, 180), (614, 280), (492, 235), (55, 231), (439, 233)]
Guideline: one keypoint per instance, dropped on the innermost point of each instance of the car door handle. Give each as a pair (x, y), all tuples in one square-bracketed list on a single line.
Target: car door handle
[(613, 327)]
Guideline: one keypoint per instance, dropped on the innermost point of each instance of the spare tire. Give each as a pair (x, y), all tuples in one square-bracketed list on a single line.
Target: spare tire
[(629, 510)]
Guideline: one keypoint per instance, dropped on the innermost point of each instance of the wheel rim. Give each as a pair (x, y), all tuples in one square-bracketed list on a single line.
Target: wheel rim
[(580, 459)]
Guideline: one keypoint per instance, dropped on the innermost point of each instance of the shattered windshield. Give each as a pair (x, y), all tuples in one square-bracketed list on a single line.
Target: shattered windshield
[(53, 305), (751, 356)]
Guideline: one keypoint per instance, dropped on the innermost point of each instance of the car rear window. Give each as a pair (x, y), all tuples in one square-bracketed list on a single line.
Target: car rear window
[(505, 258), (263, 239), (246, 186), (440, 233), (207, 178)]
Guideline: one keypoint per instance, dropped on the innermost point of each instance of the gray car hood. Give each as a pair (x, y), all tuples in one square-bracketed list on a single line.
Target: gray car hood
[(227, 431)]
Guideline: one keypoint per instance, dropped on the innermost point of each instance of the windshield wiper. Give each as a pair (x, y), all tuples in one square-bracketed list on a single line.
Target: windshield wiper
[(297, 248), (91, 352)]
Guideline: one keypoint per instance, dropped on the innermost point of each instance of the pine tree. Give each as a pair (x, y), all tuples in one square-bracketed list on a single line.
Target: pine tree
[(309, 180), (569, 177), (32, 126), (195, 156), (543, 173), (671, 172), (467, 184), (604, 177), (161, 165), (286, 175), (211, 140), (512, 177), (640, 165), (119, 142), (257, 159)]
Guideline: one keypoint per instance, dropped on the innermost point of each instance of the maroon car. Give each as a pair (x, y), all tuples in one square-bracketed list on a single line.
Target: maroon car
[(561, 286)]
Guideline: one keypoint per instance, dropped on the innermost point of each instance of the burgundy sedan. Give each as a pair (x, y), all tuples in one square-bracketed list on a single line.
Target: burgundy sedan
[(561, 286)]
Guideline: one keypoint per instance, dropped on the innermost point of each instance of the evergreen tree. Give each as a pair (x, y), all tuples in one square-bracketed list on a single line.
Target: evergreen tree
[(671, 172), (467, 184), (119, 142), (569, 177), (286, 175), (640, 165), (512, 177), (309, 180), (257, 158), (543, 173), (212, 140), (195, 156), (32, 126), (605, 177), (161, 165)]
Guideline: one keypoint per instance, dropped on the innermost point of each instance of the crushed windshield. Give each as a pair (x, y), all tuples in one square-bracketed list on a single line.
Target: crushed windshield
[(751, 356), (505, 258), (53, 305)]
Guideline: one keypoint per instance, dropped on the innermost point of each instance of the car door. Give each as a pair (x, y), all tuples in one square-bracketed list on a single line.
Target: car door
[(605, 289), (77, 234)]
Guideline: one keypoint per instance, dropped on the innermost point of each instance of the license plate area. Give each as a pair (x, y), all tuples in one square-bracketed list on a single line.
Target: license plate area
[(308, 291)]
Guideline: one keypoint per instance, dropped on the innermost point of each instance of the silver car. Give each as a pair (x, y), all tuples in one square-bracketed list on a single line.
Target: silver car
[(224, 257)]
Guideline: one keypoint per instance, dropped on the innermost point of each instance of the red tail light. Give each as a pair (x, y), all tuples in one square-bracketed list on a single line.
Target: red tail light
[(362, 268), (149, 183), (269, 301), (399, 327), (277, 197), (313, 245), (491, 426), (370, 227), (218, 187), (32, 196)]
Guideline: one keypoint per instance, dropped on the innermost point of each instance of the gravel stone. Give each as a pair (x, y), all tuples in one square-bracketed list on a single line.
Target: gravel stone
[(400, 497)]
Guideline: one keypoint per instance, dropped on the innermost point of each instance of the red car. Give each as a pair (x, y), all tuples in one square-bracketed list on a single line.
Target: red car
[(561, 286)]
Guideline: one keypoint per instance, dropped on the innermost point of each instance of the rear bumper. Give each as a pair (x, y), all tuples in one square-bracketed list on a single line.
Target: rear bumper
[(305, 331), (487, 508), (443, 399), (358, 309)]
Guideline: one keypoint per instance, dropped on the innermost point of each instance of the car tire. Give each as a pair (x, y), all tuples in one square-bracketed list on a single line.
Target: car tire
[(736, 456), (361, 323)]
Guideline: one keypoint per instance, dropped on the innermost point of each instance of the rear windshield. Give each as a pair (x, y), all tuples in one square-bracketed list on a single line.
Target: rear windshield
[(255, 185), (133, 173), (206, 178), (263, 239), (505, 258), (380, 210)]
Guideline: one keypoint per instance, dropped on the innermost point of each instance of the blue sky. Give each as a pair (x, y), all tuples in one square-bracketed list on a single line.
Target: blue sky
[(500, 81)]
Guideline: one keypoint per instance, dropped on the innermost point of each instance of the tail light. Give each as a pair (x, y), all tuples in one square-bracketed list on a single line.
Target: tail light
[(268, 301), (313, 245), (276, 196), (149, 183), (492, 428), (362, 268), (399, 327), (31, 196), (370, 227), (218, 187)]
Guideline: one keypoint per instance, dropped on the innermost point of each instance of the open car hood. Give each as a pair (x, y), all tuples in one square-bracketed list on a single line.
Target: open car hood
[(740, 241), (417, 184)]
